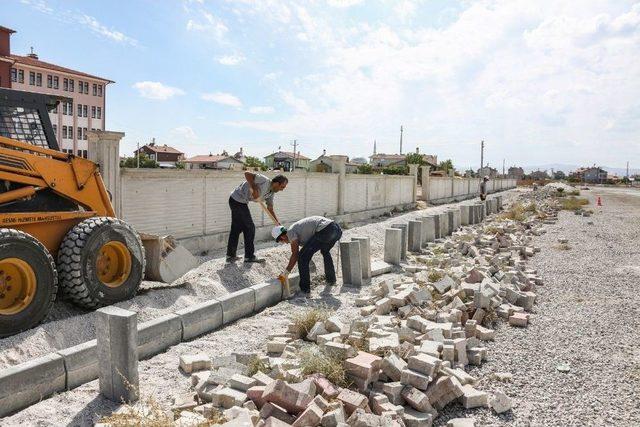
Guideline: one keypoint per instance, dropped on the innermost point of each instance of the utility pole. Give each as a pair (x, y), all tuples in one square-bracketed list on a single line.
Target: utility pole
[(138, 156), (400, 139), (481, 157), (295, 146), (627, 170), (503, 168)]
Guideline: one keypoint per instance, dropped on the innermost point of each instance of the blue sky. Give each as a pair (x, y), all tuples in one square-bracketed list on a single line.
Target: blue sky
[(540, 82)]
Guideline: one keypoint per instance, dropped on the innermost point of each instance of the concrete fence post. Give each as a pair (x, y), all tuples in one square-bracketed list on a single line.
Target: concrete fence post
[(444, 224), (413, 171), (104, 149), (351, 263), (339, 166), (365, 256), (426, 182), (415, 236), (393, 245), (403, 248), (117, 346), (428, 229), (453, 183)]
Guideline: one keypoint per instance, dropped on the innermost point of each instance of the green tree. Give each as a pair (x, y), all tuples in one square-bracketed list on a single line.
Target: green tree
[(559, 175), (132, 162), (365, 169), (395, 170), (415, 159), (446, 165), (254, 162), (180, 165)]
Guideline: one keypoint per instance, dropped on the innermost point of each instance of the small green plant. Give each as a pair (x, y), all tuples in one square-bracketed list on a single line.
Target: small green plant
[(257, 365), (145, 413), (573, 203), (516, 212), (313, 361), (305, 320), (435, 276), (531, 207)]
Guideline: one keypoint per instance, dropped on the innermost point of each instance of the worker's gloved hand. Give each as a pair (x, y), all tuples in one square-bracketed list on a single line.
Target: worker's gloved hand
[(283, 276)]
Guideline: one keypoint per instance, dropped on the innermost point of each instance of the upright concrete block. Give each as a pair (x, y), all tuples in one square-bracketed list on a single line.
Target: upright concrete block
[(465, 214), (451, 221), (365, 256), (444, 224), (393, 245), (351, 263), (499, 198), (403, 244), (428, 229), (117, 335), (436, 221), (415, 236), (457, 218)]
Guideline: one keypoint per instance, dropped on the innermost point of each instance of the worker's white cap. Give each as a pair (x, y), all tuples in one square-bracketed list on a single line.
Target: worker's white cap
[(277, 231), (486, 177)]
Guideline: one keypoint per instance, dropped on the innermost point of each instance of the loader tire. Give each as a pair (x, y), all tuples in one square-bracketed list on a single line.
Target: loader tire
[(100, 262), (28, 281)]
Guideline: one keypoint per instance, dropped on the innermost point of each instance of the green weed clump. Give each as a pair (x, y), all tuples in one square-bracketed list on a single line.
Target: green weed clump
[(573, 203)]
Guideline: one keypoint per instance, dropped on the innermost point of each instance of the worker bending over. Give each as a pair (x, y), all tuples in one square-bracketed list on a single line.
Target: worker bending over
[(256, 188), (313, 234)]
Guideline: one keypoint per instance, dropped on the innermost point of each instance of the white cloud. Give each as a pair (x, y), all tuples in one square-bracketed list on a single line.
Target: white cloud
[(234, 59), (184, 133), (208, 23), (343, 3), (223, 99), (94, 25), (157, 90), (261, 110)]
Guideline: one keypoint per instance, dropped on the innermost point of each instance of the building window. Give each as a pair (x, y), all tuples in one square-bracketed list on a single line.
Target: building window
[(55, 109), (70, 132), (49, 81), (84, 133), (99, 112), (55, 130), (95, 89), (71, 85), (80, 87), (64, 108), (14, 75), (39, 79), (93, 111), (56, 82), (85, 110), (65, 85), (152, 156), (79, 132), (64, 132), (20, 76), (84, 154), (99, 90), (86, 88), (32, 78), (79, 110)]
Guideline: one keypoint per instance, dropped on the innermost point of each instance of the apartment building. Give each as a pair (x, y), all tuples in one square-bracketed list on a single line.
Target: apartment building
[(84, 108)]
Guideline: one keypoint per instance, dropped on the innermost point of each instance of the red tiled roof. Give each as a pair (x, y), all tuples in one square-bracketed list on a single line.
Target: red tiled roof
[(288, 154), (8, 30), (26, 60), (162, 149), (209, 158)]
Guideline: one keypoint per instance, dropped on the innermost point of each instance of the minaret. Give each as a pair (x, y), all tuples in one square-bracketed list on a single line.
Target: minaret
[(375, 151), (400, 139)]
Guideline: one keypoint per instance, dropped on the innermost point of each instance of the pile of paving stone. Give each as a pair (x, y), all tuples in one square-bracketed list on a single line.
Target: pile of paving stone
[(404, 358)]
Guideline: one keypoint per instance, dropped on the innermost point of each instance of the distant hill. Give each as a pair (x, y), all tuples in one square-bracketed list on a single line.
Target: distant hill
[(569, 168)]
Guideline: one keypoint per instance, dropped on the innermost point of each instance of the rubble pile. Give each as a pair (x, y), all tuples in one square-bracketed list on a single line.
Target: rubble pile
[(405, 358)]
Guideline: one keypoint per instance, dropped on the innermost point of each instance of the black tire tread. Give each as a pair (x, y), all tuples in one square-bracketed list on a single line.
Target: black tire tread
[(17, 234), (69, 260)]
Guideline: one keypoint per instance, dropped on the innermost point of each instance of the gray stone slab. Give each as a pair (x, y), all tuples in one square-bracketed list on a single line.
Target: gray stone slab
[(415, 236), (267, 294), (379, 267), (444, 224), (117, 335), (450, 221), (237, 304), (404, 241), (351, 263), (157, 335), (365, 256), (28, 383), (436, 220), (200, 318), (465, 215), (393, 245), (80, 363)]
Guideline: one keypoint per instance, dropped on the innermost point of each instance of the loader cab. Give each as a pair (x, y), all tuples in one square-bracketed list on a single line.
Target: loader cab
[(24, 116)]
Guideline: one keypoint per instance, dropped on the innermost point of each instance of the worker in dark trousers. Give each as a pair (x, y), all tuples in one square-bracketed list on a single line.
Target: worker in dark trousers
[(483, 188), (313, 234), (256, 188)]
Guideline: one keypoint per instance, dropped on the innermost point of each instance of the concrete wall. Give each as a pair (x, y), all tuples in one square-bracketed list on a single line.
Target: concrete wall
[(436, 190), (192, 205)]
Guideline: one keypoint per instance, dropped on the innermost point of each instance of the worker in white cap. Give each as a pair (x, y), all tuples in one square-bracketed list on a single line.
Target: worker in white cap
[(313, 234), (483, 188)]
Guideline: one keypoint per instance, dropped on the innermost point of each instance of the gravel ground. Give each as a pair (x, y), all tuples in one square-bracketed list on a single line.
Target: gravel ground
[(68, 325), (587, 316)]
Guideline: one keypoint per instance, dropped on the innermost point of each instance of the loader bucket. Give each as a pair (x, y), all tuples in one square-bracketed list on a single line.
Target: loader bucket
[(167, 260)]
